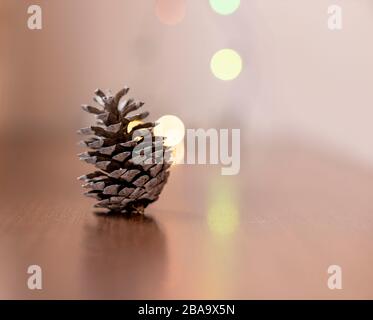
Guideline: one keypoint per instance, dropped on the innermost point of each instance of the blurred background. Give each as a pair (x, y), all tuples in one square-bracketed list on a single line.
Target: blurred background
[(298, 77), (302, 99)]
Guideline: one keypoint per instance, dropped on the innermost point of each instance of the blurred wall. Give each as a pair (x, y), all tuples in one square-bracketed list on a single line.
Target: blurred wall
[(299, 78)]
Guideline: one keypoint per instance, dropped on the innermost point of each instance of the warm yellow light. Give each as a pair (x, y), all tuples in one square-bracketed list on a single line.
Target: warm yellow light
[(177, 155), (223, 214), (226, 64), (172, 128), (133, 124)]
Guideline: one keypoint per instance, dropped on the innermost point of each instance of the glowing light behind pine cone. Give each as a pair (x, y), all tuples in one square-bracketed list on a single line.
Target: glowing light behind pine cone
[(133, 124), (178, 152), (172, 128)]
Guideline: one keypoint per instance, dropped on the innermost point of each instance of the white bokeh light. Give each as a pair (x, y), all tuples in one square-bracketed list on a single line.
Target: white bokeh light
[(172, 128)]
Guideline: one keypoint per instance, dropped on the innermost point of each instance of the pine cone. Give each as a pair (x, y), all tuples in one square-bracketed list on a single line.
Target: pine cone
[(128, 181)]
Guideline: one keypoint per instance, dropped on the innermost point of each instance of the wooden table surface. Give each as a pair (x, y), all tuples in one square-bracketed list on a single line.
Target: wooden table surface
[(270, 232)]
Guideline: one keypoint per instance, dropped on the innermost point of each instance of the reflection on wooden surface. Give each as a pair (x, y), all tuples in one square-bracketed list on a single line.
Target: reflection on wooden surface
[(270, 232), (128, 254)]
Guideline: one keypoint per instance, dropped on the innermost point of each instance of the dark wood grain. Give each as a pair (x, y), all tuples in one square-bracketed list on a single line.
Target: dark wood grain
[(300, 209)]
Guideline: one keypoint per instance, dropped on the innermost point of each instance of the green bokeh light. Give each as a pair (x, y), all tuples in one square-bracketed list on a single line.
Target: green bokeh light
[(225, 6)]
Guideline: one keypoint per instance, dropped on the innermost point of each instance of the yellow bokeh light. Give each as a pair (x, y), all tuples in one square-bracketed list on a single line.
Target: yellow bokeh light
[(226, 64), (133, 124), (172, 128), (223, 213)]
